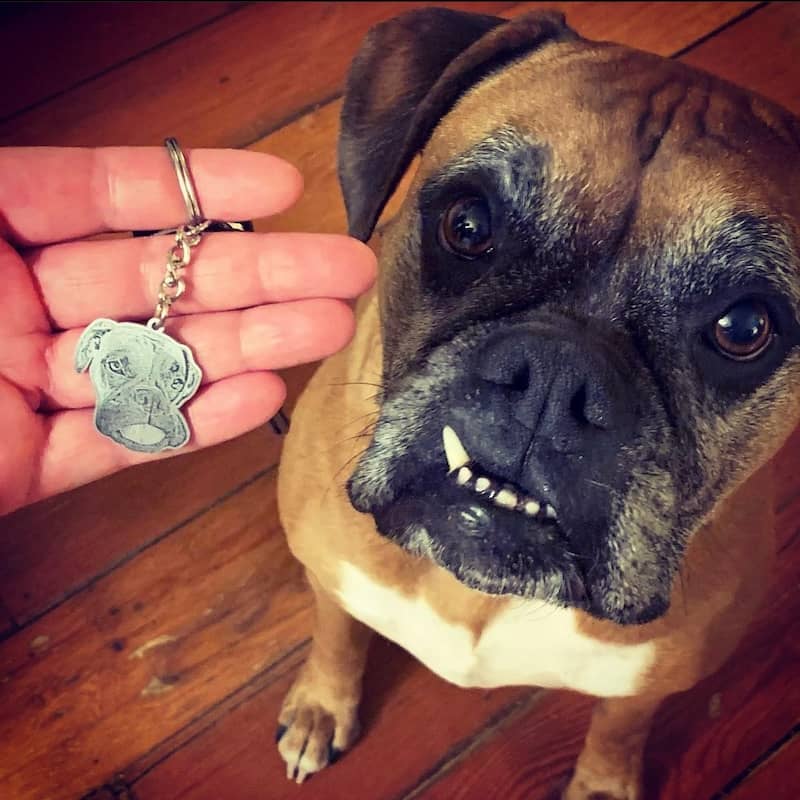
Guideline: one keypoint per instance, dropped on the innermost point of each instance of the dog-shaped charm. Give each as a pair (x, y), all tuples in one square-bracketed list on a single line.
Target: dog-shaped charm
[(141, 379)]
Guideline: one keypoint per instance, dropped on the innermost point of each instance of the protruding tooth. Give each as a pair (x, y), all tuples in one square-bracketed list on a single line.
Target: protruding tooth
[(506, 498), (482, 484), (549, 511), (456, 454), (531, 508), (464, 475)]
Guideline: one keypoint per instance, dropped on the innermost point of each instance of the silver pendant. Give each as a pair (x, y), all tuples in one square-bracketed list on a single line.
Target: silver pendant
[(141, 375), (141, 378)]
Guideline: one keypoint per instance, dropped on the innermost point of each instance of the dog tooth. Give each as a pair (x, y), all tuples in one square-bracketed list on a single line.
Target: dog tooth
[(482, 484), (531, 508), (464, 475), (506, 498), (453, 449), (549, 511)]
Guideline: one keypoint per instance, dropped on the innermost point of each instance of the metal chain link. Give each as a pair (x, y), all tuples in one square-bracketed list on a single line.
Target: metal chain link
[(178, 258)]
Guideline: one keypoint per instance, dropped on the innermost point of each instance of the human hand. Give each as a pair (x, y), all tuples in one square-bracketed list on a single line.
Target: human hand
[(254, 302)]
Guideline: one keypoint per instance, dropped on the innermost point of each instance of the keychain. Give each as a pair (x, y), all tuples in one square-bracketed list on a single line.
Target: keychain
[(141, 375)]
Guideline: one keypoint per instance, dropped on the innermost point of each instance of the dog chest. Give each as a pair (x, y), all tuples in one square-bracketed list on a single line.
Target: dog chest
[(530, 643)]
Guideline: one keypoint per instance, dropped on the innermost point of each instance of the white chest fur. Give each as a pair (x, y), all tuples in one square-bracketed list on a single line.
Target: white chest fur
[(532, 643)]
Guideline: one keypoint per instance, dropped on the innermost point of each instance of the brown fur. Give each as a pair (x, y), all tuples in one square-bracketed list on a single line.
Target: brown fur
[(725, 568)]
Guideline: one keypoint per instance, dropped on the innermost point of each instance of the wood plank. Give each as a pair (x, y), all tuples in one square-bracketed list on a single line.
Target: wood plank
[(701, 739), (401, 700), (51, 549), (113, 671), (250, 72), (760, 53), (81, 40), (778, 778)]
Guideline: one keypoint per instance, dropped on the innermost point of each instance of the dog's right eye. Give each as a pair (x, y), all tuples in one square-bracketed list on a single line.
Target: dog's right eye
[(466, 227), (116, 366)]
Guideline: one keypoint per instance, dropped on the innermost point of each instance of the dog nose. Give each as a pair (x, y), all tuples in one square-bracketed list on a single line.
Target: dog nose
[(146, 398), (560, 385)]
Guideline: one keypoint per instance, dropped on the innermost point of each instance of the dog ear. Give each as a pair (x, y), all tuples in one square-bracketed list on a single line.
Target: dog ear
[(89, 343), (408, 73)]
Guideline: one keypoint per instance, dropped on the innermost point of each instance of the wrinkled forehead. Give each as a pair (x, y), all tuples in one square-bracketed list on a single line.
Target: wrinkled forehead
[(145, 343), (607, 114)]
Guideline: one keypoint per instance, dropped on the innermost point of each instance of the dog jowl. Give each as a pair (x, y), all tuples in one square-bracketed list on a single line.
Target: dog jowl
[(591, 293), (141, 378)]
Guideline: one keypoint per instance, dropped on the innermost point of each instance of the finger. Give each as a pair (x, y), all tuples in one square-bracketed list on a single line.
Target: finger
[(81, 281), (75, 453), (225, 344), (49, 194)]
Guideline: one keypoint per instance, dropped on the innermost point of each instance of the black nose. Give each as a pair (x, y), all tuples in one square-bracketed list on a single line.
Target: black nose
[(558, 383)]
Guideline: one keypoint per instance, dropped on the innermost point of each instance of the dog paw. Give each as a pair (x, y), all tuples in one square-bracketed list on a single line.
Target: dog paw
[(314, 729)]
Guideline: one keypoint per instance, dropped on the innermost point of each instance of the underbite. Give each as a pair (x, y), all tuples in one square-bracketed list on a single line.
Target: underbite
[(464, 472)]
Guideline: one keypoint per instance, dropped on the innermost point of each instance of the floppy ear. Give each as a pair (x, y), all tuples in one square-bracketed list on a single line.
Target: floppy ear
[(408, 74), (89, 343)]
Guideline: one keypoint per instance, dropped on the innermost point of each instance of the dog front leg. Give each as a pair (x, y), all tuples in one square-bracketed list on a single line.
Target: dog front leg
[(319, 717), (610, 764)]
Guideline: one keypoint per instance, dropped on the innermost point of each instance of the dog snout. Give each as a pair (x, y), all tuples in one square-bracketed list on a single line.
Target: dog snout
[(562, 387), (148, 398)]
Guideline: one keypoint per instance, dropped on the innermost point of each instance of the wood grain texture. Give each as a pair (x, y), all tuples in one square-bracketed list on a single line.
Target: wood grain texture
[(759, 53), (133, 659), (250, 72), (259, 67), (776, 779), (411, 719), (52, 47)]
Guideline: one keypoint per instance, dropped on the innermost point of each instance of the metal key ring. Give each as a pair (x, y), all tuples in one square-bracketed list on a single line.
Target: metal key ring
[(185, 182)]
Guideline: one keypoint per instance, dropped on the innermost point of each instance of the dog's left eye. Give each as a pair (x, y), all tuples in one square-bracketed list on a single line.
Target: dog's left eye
[(744, 331), (116, 365), (177, 383), (466, 227)]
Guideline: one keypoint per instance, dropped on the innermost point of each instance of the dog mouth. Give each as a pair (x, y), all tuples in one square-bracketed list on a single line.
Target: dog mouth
[(142, 433), (465, 473)]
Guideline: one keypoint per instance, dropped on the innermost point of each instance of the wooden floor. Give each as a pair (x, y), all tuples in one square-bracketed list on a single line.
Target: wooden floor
[(150, 624)]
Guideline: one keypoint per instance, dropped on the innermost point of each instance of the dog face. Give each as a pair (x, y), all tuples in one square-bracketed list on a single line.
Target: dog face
[(141, 378), (592, 283)]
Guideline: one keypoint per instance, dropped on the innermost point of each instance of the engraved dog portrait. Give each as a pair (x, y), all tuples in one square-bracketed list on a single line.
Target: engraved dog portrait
[(141, 379)]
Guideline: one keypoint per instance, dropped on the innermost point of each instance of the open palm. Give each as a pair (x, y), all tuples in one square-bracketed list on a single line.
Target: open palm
[(254, 302)]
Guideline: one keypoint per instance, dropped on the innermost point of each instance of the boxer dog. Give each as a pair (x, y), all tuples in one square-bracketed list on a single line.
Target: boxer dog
[(581, 354)]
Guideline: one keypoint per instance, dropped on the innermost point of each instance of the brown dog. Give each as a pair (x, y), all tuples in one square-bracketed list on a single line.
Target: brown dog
[(585, 339)]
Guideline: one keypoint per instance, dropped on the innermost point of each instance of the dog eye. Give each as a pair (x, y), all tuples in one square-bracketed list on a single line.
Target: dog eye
[(117, 365), (174, 367), (466, 227), (744, 331), (177, 383)]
